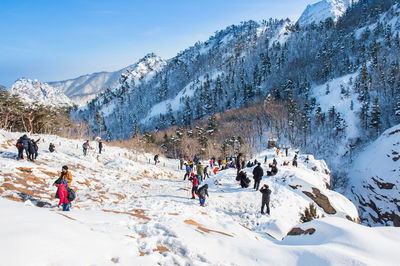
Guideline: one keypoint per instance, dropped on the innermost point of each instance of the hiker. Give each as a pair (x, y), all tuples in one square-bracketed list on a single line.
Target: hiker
[(63, 196), (202, 192), (219, 162), (286, 151), (52, 147), (156, 159), (248, 164), (31, 149), (294, 163), (212, 163), (257, 175), (274, 170), (25, 144), (195, 184), (188, 171), (274, 161), (238, 162), (190, 163), (36, 147), (181, 162), (206, 175), (20, 147), (85, 147), (244, 180), (100, 146), (266, 192), (277, 151), (307, 159), (265, 159), (67, 175), (195, 159), (200, 172), (215, 170)]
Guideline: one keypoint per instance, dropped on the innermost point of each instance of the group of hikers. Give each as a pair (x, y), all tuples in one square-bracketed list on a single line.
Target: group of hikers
[(30, 146), (196, 172), (86, 146)]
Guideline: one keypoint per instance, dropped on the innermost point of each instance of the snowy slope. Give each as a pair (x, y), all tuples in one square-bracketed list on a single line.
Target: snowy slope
[(132, 212), (324, 9), (374, 180), (33, 91)]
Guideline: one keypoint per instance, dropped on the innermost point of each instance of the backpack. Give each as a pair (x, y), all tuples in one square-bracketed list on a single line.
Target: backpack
[(71, 194)]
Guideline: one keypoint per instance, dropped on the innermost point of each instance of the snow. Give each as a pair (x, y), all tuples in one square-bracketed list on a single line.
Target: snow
[(130, 212), (340, 101), (281, 36), (324, 9), (33, 91), (379, 161), (176, 103)]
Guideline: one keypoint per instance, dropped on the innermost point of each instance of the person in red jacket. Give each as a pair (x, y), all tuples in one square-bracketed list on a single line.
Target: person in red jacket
[(63, 195), (195, 184)]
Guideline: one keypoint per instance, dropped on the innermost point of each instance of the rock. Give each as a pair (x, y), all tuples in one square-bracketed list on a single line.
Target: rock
[(321, 200), (298, 231)]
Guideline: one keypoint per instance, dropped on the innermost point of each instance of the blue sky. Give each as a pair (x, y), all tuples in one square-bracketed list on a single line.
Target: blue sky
[(56, 40)]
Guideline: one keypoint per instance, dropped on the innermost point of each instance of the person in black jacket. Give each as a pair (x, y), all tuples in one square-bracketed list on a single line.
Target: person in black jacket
[(25, 144), (257, 175), (202, 193), (266, 192), (100, 146), (244, 180), (32, 150)]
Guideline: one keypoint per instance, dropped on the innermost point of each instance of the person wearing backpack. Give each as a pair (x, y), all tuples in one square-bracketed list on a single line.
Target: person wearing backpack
[(63, 196), (20, 147), (195, 184), (202, 193)]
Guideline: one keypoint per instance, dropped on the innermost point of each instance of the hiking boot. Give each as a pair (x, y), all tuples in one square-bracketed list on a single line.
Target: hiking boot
[(193, 197)]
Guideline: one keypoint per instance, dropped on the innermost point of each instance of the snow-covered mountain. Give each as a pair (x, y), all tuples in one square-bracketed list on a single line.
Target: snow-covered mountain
[(375, 180), (324, 9), (34, 91), (129, 211), (83, 89)]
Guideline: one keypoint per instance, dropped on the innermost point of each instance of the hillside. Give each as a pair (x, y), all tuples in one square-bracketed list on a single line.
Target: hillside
[(130, 211), (374, 182)]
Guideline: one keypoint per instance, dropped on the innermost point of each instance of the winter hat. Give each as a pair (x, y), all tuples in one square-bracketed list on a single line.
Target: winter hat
[(65, 167), (192, 174)]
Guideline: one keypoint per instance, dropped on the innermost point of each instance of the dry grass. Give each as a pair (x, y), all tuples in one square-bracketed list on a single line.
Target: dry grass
[(205, 230)]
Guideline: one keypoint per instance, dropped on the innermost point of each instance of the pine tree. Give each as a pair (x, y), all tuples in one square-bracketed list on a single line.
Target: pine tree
[(99, 122), (397, 110), (212, 125), (376, 117)]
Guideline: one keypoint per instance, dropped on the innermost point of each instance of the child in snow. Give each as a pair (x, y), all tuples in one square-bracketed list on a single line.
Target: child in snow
[(63, 195), (195, 184), (202, 193)]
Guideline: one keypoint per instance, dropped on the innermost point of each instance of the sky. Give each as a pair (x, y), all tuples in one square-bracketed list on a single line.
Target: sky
[(56, 40)]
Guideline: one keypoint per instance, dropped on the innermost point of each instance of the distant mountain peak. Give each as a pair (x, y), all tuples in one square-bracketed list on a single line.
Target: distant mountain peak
[(34, 91), (324, 9)]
